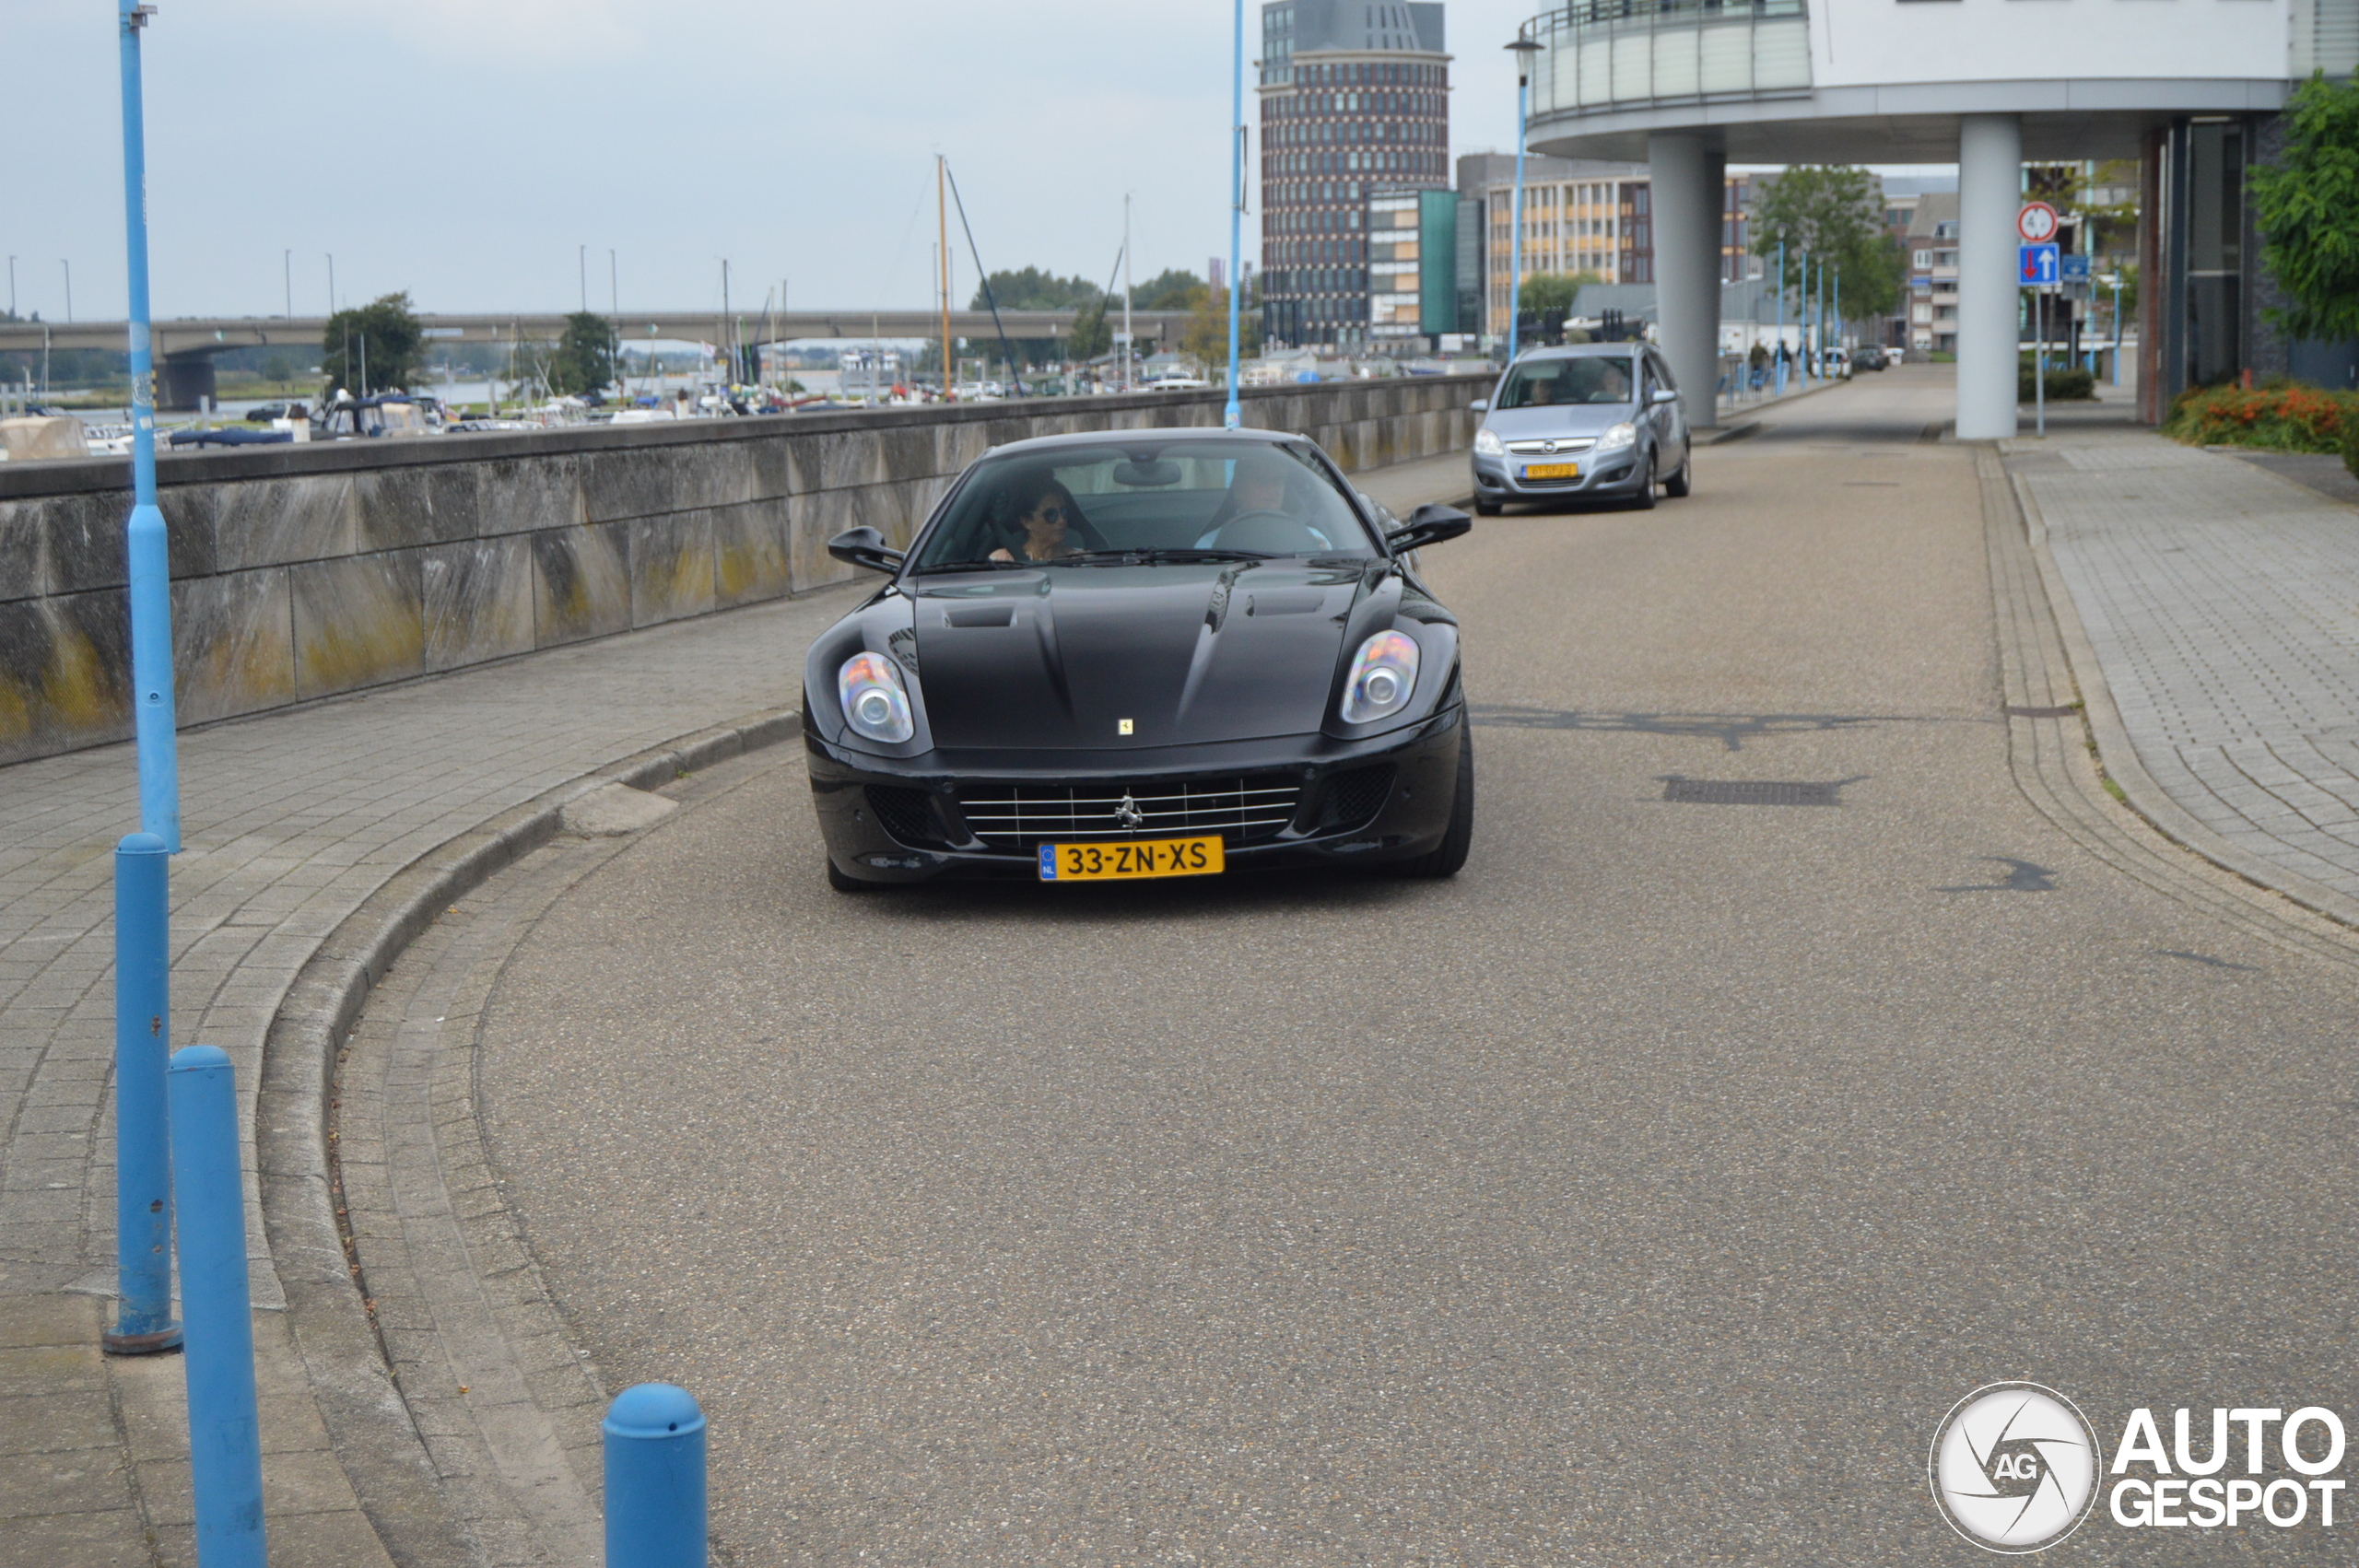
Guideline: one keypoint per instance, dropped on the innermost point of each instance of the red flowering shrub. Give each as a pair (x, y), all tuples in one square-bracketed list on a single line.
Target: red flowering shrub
[(2283, 416)]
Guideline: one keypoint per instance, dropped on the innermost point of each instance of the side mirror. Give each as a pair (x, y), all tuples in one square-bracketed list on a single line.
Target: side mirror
[(1481, 406), (1664, 395), (864, 547), (1429, 524)]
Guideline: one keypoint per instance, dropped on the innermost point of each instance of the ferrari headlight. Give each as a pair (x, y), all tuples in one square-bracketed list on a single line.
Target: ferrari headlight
[(1487, 443), (1620, 435), (877, 703), (1383, 675)]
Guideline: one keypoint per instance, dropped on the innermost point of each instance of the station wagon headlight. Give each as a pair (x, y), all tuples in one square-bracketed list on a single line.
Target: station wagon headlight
[(877, 703), (1620, 435), (1383, 675), (1487, 443)]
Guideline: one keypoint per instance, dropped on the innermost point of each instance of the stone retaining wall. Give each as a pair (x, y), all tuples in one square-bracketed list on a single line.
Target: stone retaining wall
[(301, 572)]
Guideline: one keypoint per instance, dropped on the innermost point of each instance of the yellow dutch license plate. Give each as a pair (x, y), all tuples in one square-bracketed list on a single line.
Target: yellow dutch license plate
[(1127, 858), (1552, 471)]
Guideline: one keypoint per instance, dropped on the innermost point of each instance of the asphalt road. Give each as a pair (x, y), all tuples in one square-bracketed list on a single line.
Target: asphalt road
[(1646, 1195)]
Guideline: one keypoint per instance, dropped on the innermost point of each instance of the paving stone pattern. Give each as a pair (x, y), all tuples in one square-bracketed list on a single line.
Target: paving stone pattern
[(2224, 605), (292, 819)]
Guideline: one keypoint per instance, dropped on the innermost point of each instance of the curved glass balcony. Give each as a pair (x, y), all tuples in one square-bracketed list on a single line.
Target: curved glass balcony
[(1600, 54)]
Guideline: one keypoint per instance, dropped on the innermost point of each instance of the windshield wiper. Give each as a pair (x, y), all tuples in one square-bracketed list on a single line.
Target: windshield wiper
[(947, 567), (1156, 557)]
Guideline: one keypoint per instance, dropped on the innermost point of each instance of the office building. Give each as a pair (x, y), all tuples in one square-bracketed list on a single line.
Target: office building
[(1355, 97)]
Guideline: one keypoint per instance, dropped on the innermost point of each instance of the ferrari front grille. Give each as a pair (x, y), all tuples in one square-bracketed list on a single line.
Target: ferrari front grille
[(907, 814), (1354, 798), (1022, 816)]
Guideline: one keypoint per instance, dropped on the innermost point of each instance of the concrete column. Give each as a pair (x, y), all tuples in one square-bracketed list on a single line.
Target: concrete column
[(1684, 171), (1989, 195)]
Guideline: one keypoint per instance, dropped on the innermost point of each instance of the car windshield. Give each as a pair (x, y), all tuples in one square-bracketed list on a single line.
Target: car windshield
[(1086, 504), (1544, 383)]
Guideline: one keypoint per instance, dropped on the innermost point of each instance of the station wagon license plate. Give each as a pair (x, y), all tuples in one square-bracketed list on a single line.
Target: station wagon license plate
[(1552, 471), (1127, 858)]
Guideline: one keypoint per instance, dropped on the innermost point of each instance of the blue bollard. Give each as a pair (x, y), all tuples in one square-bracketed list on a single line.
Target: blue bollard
[(654, 1478), (224, 1434), (143, 1036)]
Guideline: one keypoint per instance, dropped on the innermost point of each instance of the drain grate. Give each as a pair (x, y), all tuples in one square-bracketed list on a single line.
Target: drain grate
[(1752, 792)]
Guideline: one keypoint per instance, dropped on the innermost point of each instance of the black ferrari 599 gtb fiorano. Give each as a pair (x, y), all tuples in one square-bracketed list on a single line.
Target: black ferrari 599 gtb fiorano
[(1142, 653)]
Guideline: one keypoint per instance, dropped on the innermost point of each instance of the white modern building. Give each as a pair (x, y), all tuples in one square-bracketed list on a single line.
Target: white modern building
[(2190, 86)]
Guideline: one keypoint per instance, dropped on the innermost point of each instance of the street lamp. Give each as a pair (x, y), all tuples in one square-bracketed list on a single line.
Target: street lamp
[(2112, 281), (1231, 415), (12, 289), (69, 290), (1524, 48)]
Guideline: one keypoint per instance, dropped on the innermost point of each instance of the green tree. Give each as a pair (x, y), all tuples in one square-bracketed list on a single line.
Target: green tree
[(2308, 203), (1032, 289), (1170, 289), (1205, 338), (1833, 213), (382, 338), (1092, 334), (1545, 292), (584, 360)]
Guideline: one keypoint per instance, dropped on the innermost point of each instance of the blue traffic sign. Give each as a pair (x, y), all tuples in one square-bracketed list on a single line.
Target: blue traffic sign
[(2035, 266), (2077, 269)]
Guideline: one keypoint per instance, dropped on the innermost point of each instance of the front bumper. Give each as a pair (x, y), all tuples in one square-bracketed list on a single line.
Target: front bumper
[(1616, 473), (1411, 819)]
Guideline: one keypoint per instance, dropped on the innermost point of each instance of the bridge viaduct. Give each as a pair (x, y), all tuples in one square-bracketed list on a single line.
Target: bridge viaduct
[(185, 348)]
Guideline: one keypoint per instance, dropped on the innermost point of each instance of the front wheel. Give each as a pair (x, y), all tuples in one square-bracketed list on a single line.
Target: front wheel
[(1679, 484), (1644, 500), (1459, 838), (838, 880)]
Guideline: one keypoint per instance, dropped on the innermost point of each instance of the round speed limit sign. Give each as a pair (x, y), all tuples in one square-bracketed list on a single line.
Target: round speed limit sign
[(2036, 223)]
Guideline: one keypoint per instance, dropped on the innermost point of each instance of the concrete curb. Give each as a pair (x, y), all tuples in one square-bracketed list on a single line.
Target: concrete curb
[(2146, 797), (375, 1438)]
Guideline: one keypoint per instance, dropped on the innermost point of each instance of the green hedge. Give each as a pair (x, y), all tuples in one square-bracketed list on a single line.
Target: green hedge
[(2063, 386)]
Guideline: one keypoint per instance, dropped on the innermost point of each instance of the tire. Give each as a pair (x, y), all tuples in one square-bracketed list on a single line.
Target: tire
[(1485, 509), (1644, 500), (843, 884), (1459, 838), (1679, 484)]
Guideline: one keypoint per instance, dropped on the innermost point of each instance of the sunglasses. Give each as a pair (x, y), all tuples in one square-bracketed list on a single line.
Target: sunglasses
[(1051, 513)]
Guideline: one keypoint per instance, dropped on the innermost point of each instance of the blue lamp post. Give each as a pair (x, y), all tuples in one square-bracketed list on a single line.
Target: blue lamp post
[(151, 572), (1232, 415), (1524, 48)]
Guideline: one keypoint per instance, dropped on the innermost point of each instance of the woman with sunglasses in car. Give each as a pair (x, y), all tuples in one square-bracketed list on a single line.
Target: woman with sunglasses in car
[(1044, 510)]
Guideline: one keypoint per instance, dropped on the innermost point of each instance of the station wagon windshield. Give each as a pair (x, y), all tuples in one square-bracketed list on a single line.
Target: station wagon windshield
[(1148, 501), (1542, 383)]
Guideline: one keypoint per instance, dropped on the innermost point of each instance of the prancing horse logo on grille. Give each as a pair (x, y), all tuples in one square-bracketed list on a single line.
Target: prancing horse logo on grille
[(1128, 813)]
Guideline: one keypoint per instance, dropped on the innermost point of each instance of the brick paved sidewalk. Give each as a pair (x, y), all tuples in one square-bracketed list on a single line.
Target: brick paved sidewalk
[(293, 819), (2222, 605)]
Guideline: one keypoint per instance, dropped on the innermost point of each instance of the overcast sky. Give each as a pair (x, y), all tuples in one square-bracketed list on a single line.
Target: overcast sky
[(463, 149)]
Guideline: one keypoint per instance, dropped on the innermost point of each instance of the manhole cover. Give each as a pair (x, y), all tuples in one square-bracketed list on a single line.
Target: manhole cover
[(1752, 792)]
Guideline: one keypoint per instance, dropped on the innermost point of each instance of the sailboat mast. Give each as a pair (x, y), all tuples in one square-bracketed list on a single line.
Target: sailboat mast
[(942, 230)]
